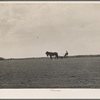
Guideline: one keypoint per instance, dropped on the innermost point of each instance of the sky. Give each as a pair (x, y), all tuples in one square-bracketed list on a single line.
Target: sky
[(31, 29)]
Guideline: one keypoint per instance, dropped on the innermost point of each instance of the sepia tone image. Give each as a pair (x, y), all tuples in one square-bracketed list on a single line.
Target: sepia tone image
[(49, 45), (50, 99)]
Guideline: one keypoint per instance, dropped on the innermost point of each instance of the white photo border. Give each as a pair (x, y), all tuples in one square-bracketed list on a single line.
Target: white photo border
[(50, 93)]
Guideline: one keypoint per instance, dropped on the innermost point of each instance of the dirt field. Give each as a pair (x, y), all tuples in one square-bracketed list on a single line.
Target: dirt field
[(80, 72)]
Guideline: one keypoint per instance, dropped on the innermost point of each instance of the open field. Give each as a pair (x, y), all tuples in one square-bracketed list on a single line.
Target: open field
[(79, 72)]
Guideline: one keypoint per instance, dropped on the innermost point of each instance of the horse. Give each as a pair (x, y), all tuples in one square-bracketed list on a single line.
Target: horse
[(52, 54)]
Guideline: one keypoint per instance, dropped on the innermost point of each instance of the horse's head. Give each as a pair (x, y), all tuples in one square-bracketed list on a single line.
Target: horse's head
[(47, 53)]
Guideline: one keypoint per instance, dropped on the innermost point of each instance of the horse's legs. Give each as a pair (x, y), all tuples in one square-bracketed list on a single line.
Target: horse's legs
[(57, 56), (50, 57)]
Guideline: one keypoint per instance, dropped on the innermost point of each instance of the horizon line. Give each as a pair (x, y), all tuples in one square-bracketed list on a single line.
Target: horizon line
[(85, 55)]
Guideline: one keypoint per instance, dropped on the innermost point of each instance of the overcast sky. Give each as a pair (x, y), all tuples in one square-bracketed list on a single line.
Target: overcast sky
[(31, 29)]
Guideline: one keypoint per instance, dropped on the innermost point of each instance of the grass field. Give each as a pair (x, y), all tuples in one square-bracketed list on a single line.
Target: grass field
[(79, 72)]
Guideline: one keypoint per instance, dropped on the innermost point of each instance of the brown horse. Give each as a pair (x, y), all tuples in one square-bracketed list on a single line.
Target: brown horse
[(52, 54)]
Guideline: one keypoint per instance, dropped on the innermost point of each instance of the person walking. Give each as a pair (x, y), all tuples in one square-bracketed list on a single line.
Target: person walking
[(66, 54)]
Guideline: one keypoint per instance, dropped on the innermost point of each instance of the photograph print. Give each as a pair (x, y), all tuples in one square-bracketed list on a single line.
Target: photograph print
[(49, 45)]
